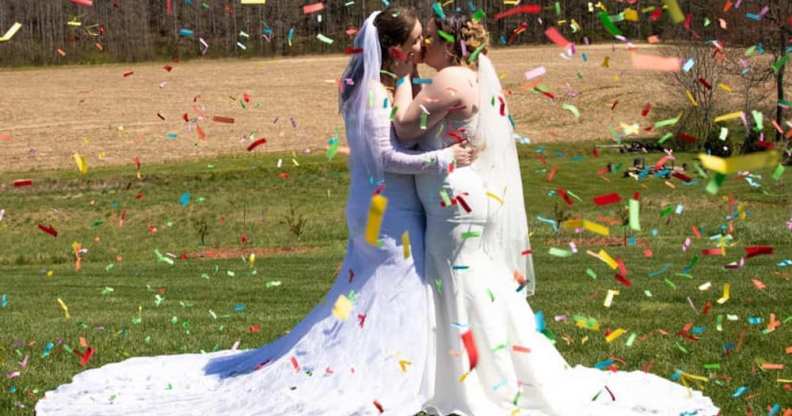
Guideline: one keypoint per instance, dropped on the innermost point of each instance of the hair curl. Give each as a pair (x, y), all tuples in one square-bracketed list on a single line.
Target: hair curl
[(472, 34)]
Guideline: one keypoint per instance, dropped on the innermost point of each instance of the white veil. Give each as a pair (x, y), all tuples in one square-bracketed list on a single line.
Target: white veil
[(499, 167), (357, 90)]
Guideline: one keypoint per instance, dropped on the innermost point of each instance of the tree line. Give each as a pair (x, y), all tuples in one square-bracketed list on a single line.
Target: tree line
[(98, 31)]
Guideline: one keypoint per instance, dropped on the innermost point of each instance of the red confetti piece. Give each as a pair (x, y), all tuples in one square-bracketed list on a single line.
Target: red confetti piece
[(49, 230), (556, 37), (128, 73), (753, 251), (502, 106), (169, 7), (313, 8), (361, 319), (397, 54), (86, 3), (696, 231), (623, 280), (23, 182), (704, 82), (613, 107), (352, 31), (526, 9), (647, 108), (565, 196), (607, 199), (552, 173), (520, 348), (379, 406), (254, 329), (470, 347), (86, 356), (201, 133), (295, 364), (221, 119), (682, 177), (256, 144), (168, 68), (464, 204), (526, 252), (595, 152), (5, 138), (637, 196), (161, 116), (688, 138)]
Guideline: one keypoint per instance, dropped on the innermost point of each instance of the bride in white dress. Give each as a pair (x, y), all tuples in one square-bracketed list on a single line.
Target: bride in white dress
[(367, 349), (491, 358)]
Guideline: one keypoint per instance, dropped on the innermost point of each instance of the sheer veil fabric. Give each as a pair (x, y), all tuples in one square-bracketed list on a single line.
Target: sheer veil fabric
[(365, 349)]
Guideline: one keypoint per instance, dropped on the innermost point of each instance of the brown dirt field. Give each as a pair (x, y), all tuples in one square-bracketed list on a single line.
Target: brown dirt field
[(48, 114)]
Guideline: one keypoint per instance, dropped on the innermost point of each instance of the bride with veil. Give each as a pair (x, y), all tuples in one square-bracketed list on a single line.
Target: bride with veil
[(367, 349), (491, 360)]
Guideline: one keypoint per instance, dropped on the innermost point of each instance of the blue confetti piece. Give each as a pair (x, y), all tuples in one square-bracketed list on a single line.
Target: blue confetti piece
[(774, 410), (688, 65), (603, 364), (4, 301), (740, 391), (239, 307), (185, 33), (548, 221), (540, 321), (184, 199), (47, 349)]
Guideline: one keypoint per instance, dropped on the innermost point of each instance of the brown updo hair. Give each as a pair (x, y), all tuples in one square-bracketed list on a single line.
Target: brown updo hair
[(464, 30), (394, 26)]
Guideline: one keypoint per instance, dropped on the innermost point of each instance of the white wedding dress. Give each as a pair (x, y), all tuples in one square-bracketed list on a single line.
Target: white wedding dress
[(380, 360), (470, 255)]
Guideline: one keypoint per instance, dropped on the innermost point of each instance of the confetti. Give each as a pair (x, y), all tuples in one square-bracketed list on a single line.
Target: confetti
[(376, 214), (11, 32)]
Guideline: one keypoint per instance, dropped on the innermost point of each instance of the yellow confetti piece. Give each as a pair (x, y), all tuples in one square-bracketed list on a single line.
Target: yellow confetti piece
[(604, 256), (11, 32), (725, 87), (406, 244), (377, 209), (674, 10), (403, 364), (695, 377), (572, 224), (342, 308), (749, 162), (725, 297), (609, 298), (690, 97), (65, 308), (82, 165), (463, 376), (495, 197), (730, 116), (630, 15), (596, 228), (615, 334)]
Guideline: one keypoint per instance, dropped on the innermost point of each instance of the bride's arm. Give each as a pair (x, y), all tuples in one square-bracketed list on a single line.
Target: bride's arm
[(396, 159), (432, 104)]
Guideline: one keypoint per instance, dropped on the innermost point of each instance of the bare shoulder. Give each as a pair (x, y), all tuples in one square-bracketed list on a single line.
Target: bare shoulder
[(456, 76)]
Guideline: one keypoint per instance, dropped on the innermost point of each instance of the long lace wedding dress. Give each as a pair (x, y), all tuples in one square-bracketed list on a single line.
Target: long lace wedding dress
[(378, 359), (491, 358)]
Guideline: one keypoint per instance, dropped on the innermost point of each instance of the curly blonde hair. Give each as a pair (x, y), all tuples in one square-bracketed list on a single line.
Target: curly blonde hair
[(471, 38)]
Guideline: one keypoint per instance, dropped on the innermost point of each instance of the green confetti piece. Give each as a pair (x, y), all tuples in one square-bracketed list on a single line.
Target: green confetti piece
[(778, 172), (667, 122), (445, 198), (780, 63), (479, 16), (648, 293), (446, 36), (424, 121), (332, 148), (631, 339), (324, 39), (681, 348), (607, 23), (666, 211), (393, 113), (558, 252), (635, 212), (470, 234), (491, 295), (572, 109), (665, 138), (714, 366), (474, 56), (715, 183), (670, 283), (162, 258), (591, 273)]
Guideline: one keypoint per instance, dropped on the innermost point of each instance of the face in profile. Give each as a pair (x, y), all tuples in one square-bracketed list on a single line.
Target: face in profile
[(413, 45), (435, 53)]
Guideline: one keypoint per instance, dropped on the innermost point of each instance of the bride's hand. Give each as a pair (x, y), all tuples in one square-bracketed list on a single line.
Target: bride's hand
[(464, 155)]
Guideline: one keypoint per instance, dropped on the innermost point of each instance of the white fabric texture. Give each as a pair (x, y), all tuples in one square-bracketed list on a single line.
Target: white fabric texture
[(383, 352), (518, 371)]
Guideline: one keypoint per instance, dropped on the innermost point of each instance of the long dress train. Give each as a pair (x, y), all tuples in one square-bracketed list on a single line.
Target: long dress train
[(491, 358), (380, 360)]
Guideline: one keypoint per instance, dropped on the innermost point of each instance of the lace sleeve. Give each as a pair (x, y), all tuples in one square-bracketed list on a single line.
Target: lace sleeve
[(397, 159)]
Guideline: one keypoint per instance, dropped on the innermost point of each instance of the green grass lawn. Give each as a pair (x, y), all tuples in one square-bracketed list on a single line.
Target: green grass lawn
[(127, 300)]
